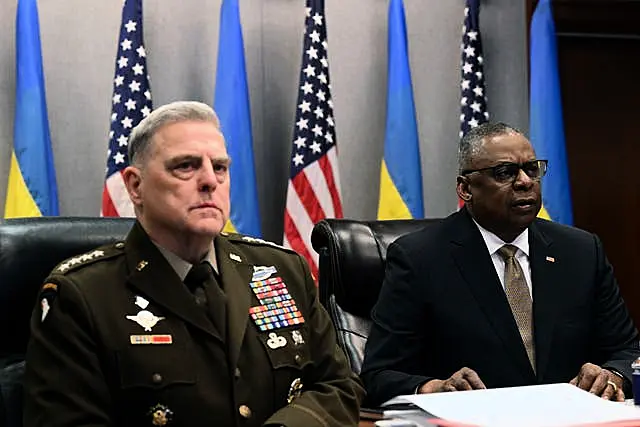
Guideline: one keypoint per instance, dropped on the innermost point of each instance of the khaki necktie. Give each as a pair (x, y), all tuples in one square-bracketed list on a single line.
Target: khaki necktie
[(202, 282), (519, 299)]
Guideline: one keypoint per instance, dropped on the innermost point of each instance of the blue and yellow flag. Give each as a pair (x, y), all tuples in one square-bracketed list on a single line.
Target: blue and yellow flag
[(31, 190), (232, 106), (400, 175), (546, 126)]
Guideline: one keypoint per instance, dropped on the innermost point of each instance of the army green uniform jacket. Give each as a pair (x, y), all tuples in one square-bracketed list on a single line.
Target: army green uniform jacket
[(118, 340)]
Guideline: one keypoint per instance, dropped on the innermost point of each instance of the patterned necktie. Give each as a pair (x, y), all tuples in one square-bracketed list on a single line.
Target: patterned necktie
[(207, 293), (519, 299)]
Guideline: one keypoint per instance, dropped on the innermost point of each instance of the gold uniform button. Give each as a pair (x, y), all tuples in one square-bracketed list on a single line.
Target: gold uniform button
[(156, 378), (298, 359), (119, 245), (245, 411), (237, 373)]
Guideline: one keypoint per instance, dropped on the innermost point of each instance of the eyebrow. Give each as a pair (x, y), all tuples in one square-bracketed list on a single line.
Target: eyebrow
[(186, 157)]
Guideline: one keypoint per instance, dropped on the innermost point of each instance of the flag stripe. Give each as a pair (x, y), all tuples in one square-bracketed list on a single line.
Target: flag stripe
[(332, 155), (327, 167), (313, 190), (298, 227), (119, 196), (298, 245)]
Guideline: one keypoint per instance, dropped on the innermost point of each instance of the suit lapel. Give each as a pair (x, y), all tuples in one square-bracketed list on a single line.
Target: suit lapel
[(474, 262), (152, 275), (236, 275), (545, 296)]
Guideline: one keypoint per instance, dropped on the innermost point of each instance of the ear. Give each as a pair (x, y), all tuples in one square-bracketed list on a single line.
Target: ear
[(462, 188), (132, 177)]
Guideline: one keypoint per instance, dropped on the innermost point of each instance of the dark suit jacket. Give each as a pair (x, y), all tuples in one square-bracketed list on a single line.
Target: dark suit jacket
[(442, 307), (83, 369)]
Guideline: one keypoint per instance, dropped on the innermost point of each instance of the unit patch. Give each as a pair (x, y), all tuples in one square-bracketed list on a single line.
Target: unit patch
[(47, 295)]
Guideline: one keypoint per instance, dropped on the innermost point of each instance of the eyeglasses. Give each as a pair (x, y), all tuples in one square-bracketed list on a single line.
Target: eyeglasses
[(508, 172)]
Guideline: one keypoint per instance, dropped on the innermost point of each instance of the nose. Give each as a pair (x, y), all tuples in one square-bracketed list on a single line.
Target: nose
[(207, 180), (522, 180)]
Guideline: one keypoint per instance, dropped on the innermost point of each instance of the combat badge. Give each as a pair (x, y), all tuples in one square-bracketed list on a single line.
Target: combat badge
[(160, 415), (262, 272), (47, 295), (295, 390)]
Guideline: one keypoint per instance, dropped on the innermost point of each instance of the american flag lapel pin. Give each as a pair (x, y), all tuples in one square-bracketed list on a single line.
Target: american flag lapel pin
[(550, 259)]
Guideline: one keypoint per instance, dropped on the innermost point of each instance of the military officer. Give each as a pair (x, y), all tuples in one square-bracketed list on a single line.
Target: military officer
[(182, 324)]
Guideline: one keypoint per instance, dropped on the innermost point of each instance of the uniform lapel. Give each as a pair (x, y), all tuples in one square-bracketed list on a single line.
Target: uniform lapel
[(152, 275), (474, 262), (235, 274), (545, 294)]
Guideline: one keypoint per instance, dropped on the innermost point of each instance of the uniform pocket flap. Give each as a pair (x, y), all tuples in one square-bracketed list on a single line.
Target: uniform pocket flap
[(153, 367), (287, 348)]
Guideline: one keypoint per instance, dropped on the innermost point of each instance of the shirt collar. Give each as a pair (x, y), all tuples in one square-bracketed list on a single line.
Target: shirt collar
[(182, 267), (494, 243)]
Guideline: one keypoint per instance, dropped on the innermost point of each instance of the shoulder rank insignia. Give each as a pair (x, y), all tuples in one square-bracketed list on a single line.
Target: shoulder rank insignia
[(104, 252), (256, 241)]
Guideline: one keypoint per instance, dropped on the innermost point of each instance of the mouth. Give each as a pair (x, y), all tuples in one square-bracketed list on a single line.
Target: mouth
[(206, 206), (524, 205)]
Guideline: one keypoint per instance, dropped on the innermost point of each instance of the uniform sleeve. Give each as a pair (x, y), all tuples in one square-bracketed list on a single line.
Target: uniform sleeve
[(332, 393), (616, 338), (64, 383)]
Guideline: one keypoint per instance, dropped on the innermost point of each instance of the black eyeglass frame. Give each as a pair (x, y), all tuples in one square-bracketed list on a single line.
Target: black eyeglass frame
[(542, 165)]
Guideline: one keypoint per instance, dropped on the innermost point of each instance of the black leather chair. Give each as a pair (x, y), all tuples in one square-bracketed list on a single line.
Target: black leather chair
[(352, 256), (29, 249)]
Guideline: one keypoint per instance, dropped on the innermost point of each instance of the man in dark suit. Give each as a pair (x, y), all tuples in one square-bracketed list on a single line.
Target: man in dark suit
[(494, 297), (182, 324)]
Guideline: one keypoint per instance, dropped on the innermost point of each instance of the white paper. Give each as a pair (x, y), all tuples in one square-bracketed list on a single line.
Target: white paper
[(550, 405)]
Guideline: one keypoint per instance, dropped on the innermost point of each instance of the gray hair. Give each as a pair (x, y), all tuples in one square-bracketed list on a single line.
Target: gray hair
[(175, 112), (471, 143)]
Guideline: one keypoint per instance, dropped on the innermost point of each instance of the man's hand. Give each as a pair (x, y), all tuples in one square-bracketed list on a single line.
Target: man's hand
[(464, 379), (600, 382)]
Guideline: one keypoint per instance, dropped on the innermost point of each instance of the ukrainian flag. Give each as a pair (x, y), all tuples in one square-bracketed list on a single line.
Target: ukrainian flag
[(31, 190), (232, 106), (546, 126), (400, 176)]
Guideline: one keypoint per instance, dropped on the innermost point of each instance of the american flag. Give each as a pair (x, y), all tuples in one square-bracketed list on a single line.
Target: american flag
[(131, 102), (473, 101), (314, 187)]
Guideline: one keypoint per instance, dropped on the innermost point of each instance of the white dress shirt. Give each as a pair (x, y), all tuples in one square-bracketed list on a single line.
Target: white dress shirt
[(521, 242)]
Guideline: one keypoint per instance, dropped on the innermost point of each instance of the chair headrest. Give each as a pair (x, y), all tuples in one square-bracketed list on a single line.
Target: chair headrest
[(29, 249), (352, 258)]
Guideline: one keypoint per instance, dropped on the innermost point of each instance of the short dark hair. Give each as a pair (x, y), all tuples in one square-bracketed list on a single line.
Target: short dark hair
[(471, 143)]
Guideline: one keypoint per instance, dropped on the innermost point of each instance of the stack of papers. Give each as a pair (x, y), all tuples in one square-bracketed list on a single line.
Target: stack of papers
[(551, 405)]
